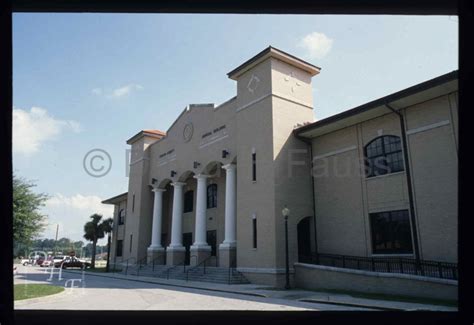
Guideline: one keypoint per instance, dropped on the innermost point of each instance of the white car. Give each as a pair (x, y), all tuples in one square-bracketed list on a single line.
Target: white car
[(25, 261)]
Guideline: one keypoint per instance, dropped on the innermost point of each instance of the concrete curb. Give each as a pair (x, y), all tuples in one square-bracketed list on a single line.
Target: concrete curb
[(175, 285), (319, 301)]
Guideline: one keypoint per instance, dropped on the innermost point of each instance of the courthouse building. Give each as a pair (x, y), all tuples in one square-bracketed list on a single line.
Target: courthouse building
[(213, 186)]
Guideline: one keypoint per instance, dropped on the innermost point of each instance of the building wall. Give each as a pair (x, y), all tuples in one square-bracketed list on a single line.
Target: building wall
[(434, 159), (345, 197), (118, 231), (318, 277), (272, 98), (338, 194)]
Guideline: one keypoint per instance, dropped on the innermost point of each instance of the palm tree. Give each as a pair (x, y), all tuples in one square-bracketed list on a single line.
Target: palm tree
[(95, 230)]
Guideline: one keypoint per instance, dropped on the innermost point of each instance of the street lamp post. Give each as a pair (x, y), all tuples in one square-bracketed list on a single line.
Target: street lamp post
[(285, 212)]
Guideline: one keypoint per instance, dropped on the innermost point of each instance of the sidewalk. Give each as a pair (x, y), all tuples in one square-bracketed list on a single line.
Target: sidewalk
[(292, 294)]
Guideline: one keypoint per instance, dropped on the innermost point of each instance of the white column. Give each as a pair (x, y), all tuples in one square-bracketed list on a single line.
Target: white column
[(201, 207), (177, 218), (230, 206), (157, 219)]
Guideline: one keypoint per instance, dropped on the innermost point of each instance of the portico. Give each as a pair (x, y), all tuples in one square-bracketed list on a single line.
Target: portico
[(200, 249)]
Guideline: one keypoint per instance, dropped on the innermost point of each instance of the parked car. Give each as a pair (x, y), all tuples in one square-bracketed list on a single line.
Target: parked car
[(47, 262), (71, 261), (58, 258), (40, 261), (25, 261), (15, 271)]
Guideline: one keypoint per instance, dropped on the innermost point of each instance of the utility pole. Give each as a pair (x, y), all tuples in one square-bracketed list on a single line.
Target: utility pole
[(56, 240)]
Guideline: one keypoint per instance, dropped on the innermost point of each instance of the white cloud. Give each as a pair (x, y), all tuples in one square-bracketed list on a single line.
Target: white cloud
[(97, 91), (125, 90), (316, 44), (71, 213), (118, 92), (32, 128)]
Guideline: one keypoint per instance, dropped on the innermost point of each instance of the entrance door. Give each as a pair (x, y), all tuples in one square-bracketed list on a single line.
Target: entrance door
[(211, 241), (304, 240), (187, 242)]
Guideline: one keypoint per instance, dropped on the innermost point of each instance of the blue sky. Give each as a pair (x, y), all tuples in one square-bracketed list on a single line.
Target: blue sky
[(85, 81)]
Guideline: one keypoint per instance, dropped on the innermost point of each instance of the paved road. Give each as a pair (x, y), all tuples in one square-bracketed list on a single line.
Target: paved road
[(101, 293)]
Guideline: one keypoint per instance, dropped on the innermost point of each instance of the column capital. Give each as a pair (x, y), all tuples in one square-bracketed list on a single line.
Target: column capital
[(178, 184), (201, 176), (157, 189), (229, 166)]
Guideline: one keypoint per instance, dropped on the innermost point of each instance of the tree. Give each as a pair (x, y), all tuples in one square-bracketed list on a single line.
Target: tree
[(95, 230), (28, 222)]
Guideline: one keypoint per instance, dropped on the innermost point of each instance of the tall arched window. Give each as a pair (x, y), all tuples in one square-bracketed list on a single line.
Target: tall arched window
[(121, 217), (212, 196), (384, 156), (188, 201)]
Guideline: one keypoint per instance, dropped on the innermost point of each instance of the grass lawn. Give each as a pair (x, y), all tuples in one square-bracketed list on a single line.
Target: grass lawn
[(27, 291), (379, 296)]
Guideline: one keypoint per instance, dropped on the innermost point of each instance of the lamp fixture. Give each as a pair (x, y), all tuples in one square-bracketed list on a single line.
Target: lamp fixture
[(225, 153)]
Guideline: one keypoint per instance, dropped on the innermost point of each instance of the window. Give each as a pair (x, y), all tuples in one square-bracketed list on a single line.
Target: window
[(212, 196), (254, 232), (254, 166), (391, 232), (131, 237), (188, 201), (384, 156), (121, 217), (118, 252), (211, 240), (133, 203)]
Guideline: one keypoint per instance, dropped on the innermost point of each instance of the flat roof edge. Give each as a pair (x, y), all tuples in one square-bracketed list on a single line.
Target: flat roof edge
[(437, 81), (115, 198), (276, 53)]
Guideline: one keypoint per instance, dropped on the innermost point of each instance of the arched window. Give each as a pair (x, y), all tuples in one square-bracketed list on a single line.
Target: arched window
[(121, 217), (384, 156), (188, 201), (212, 196)]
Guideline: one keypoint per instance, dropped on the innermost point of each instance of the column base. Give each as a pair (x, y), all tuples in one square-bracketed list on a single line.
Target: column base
[(201, 253), (156, 255), (175, 255), (227, 255)]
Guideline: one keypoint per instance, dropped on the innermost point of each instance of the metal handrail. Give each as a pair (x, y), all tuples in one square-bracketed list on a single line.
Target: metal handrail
[(191, 257), (153, 262), (229, 274), (168, 270), (396, 264), (198, 265), (126, 267), (139, 265)]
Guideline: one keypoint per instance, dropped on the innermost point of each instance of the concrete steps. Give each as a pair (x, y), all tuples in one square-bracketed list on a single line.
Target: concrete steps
[(190, 273)]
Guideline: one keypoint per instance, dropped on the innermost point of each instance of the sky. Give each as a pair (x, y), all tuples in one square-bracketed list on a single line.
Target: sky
[(91, 81)]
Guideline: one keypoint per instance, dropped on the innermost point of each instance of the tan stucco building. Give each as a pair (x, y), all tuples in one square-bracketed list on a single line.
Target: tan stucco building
[(214, 184)]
